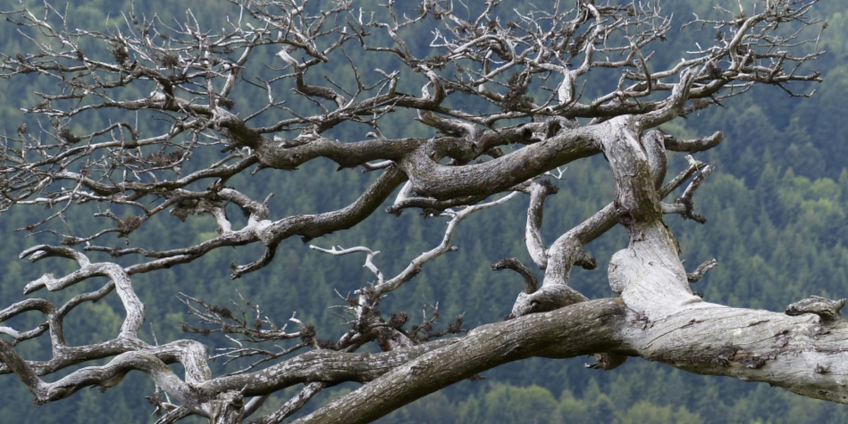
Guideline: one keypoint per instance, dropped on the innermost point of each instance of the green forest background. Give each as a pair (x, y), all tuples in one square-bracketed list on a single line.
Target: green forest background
[(777, 226)]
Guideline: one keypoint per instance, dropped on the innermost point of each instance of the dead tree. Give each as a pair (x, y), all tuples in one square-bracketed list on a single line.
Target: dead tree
[(528, 67)]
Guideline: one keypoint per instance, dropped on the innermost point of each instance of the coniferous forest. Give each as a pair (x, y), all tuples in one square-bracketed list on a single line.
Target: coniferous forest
[(777, 225)]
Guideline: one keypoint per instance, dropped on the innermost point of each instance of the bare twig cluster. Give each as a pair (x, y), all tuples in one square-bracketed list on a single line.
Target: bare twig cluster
[(537, 109)]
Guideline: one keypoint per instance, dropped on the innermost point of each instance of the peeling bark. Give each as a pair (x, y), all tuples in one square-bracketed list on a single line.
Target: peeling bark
[(459, 166)]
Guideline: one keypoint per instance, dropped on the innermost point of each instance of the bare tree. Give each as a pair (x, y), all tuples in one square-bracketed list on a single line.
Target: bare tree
[(527, 67)]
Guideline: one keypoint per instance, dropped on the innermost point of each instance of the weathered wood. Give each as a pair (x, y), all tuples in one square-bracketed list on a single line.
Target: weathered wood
[(451, 170)]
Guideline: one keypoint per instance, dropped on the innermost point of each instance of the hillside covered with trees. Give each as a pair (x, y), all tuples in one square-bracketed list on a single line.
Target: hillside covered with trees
[(776, 208)]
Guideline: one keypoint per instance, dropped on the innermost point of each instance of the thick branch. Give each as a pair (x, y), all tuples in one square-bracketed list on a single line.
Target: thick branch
[(802, 353), (577, 330)]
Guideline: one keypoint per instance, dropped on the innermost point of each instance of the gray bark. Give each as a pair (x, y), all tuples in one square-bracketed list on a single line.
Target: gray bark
[(454, 172)]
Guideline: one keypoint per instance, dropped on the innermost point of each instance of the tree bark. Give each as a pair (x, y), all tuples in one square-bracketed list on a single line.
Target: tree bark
[(450, 170)]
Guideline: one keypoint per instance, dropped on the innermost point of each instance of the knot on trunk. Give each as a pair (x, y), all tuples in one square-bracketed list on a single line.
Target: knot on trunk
[(827, 309), (548, 298), (607, 361)]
